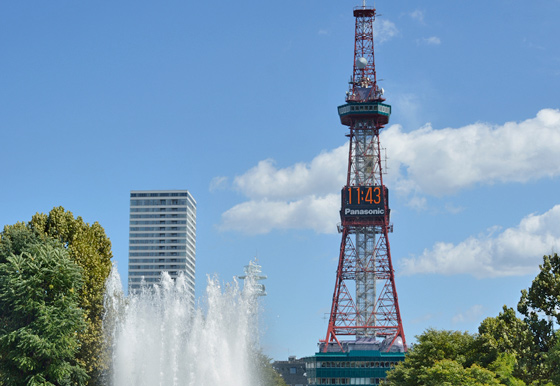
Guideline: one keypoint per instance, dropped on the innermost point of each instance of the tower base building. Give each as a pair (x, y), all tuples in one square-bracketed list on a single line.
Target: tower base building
[(355, 362)]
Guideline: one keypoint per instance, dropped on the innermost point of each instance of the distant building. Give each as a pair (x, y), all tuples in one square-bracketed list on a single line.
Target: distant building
[(293, 371), (162, 236), (360, 362)]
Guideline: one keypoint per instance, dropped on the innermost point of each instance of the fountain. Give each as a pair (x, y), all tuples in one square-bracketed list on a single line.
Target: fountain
[(157, 338)]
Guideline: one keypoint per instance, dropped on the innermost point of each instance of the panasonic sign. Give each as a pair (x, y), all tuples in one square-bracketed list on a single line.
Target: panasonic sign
[(363, 212)]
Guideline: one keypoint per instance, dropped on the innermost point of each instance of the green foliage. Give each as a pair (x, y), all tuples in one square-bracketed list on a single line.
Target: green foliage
[(449, 372), (267, 375), (542, 300), (90, 248), (504, 367), (544, 294), (437, 352), (435, 345), (507, 350), (506, 342), (553, 361), (504, 333), (18, 238), (40, 317), (455, 358)]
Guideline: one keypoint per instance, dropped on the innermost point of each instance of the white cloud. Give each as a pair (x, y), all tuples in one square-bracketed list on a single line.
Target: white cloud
[(218, 183), (418, 15), (450, 208), (514, 251), (439, 162), (431, 41), (384, 30), (473, 314), (422, 162), (411, 108), (418, 202), (262, 216), (302, 196), (422, 319), (325, 174)]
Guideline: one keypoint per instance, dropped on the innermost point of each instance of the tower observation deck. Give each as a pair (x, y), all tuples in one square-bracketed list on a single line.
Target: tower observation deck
[(365, 303)]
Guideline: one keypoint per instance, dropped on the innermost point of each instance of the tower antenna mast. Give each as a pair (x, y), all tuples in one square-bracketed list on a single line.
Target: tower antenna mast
[(365, 303)]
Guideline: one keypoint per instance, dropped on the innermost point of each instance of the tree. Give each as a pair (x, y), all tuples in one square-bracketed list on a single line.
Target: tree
[(16, 239), (542, 300), (425, 357), (40, 317), (505, 344), (450, 373), (514, 351), (553, 361), (435, 345), (456, 358), (544, 294), (266, 373), (504, 367), (90, 248)]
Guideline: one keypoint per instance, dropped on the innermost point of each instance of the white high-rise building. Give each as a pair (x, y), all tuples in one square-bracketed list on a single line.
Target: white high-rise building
[(162, 236)]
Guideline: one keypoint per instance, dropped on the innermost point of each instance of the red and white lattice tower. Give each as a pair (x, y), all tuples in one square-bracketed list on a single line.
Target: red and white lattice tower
[(365, 303)]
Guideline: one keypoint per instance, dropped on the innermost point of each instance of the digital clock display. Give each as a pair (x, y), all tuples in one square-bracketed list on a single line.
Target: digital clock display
[(363, 201)]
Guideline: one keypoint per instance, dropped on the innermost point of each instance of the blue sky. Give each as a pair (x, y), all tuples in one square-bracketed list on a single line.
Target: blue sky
[(236, 101)]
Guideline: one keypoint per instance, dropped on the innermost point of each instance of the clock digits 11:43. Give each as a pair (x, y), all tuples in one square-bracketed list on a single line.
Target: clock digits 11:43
[(364, 201)]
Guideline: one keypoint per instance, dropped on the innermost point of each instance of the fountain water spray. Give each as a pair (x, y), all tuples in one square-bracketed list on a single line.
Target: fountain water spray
[(157, 338)]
